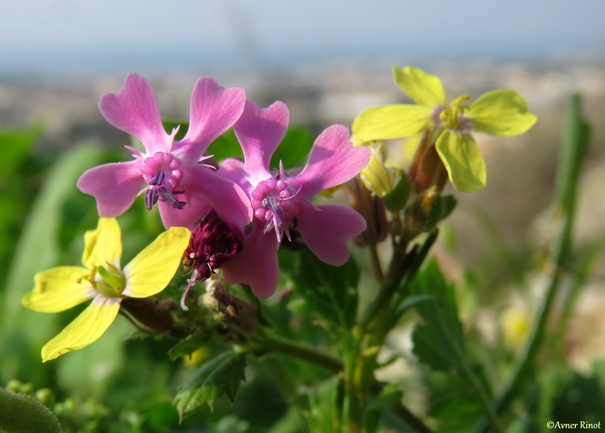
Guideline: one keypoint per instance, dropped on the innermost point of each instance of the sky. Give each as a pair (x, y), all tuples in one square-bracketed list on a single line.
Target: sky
[(56, 36)]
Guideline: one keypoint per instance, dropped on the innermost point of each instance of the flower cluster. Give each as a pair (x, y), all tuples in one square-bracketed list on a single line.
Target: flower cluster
[(174, 175), (234, 215)]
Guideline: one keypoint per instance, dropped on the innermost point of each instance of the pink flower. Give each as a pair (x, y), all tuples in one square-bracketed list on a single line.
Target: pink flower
[(176, 178), (281, 201)]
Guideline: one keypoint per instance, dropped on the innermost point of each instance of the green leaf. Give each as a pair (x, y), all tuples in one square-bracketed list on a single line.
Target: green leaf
[(462, 159), (438, 342), (500, 112), (294, 149), (323, 414), (424, 89), (221, 375), (429, 209), (391, 121), (456, 413), (20, 413), (574, 148), (398, 197), (189, 345), (329, 291)]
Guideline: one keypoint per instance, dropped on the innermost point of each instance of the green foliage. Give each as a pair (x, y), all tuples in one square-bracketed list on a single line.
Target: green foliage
[(20, 413), (16, 145), (220, 375), (19, 175), (294, 148), (323, 415), (439, 341), (428, 210), (328, 291), (398, 198)]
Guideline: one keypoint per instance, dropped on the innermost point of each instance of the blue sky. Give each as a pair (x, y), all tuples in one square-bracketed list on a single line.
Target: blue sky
[(62, 35)]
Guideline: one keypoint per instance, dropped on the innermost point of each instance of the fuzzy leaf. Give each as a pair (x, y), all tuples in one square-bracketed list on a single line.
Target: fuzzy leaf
[(20, 413), (221, 375)]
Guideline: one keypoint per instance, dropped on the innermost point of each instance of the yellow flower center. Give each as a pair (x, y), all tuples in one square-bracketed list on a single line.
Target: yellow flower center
[(452, 116), (112, 281)]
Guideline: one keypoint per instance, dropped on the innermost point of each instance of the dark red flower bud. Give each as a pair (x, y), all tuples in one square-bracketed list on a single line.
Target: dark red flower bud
[(212, 243)]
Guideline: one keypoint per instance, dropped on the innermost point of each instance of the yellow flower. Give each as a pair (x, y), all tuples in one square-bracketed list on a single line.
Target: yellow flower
[(104, 281), (500, 112)]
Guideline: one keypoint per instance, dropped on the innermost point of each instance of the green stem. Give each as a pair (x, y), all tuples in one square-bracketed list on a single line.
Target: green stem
[(387, 290), (274, 343), (376, 266), (488, 409)]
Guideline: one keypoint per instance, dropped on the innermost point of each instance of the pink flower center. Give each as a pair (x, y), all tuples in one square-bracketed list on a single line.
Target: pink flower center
[(166, 162), (162, 174), (272, 203)]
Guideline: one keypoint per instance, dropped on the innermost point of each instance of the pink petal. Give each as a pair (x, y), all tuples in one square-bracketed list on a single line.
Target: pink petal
[(115, 186), (213, 111), (333, 160), (135, 110), (327, 228), (256, 265), (259, 132), (233, 169), (228, 199), (197, 206)]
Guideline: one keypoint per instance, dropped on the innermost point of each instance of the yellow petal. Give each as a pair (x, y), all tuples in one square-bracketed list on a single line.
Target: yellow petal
[(391, 121), (462, 159), (103, 245), (424, 89), (375, 176), (153, 268), (58, 289), (501, 112), (85, 329)]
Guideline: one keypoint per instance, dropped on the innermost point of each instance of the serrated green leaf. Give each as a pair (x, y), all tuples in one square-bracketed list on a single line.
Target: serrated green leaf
[(189, 345), (438, 342), (330, 291), (20, 413), (220, 375)]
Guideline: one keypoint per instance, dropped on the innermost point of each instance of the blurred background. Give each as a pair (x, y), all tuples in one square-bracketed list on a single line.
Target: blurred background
[(329, 60)]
